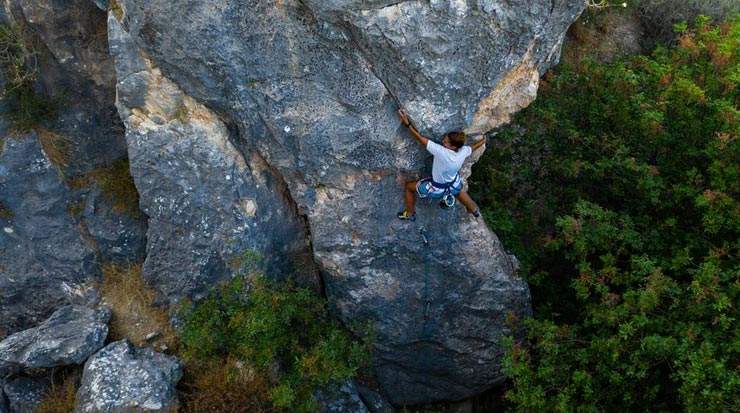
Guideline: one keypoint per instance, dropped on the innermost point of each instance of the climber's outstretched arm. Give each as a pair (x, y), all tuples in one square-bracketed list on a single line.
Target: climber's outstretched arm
[(477, 144), (415, 133)]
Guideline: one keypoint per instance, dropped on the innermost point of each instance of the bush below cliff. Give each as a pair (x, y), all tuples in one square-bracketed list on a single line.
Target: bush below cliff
[(270, 352)]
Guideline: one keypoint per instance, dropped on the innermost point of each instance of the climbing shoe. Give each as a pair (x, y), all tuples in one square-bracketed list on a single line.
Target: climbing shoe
[(476, 213), (406, 215)]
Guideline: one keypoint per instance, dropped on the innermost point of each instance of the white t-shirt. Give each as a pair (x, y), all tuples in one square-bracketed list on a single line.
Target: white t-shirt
[(447, 163)]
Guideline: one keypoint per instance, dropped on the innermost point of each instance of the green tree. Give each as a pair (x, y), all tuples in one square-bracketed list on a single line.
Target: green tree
[(618, 189)]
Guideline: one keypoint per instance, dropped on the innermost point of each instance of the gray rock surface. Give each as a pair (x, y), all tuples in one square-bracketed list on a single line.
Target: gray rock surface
[(307, 91), (45, 262), (124, 378), (465, 406), (69, 336), (206, 209), (374, 401), (341, 399), (120, 237), (25, 393), (102, 4)]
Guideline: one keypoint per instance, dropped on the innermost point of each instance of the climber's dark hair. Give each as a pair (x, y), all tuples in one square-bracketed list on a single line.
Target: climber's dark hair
[(457, 139)]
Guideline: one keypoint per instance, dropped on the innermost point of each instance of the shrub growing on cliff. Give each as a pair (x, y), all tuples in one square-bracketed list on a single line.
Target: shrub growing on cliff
[(659, 16), (618, 189), (280, 336), (5, 212), (26, 106)]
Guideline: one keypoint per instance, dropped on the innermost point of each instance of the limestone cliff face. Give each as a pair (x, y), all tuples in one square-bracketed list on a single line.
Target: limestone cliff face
[(271, 126), (309, 90), (207, 201)]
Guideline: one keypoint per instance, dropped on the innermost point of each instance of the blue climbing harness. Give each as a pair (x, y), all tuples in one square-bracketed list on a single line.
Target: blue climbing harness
[(448, 199), (445, 192)]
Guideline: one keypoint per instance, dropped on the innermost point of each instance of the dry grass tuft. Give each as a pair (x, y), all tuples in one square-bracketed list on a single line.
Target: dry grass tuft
[(134, 314), (60, 398), (56, 147), (116, 9), (27, 106), (76, 208), (182, 113), (117, 185), (224, 386)]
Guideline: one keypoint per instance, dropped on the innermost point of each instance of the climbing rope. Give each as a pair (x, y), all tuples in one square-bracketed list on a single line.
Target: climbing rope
[(427, 325), (424, 345)]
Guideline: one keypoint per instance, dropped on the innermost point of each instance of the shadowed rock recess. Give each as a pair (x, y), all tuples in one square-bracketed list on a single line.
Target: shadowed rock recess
[(272, 126)]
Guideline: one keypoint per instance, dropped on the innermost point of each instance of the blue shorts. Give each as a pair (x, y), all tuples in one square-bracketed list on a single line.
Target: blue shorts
[(426, 189)]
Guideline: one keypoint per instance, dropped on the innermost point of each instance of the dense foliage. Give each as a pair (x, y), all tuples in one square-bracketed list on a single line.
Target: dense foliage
[(618, 190), (279, 341)]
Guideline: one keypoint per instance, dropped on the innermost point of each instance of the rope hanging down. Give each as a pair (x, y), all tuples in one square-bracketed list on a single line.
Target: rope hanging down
[(427, 327)]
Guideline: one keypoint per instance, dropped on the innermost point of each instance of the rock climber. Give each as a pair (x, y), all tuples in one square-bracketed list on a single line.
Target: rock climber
[(445, 182)]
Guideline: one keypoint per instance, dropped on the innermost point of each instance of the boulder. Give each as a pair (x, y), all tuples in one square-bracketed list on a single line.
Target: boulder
[(25, 393), (46, 261), (68, 337), (124, 378), (306, 94)]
